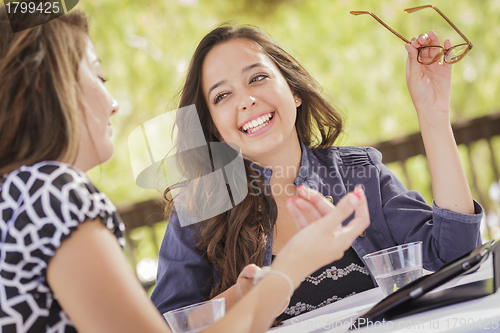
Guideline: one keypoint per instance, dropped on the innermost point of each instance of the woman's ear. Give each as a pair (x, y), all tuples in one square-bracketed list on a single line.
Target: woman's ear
[(297, 99)]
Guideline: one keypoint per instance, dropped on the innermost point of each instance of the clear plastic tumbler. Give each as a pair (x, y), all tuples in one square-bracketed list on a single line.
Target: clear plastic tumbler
[(396, 266), (197, 317)]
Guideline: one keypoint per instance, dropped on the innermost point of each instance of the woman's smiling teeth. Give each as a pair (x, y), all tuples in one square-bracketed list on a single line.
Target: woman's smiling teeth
[(257, 124)]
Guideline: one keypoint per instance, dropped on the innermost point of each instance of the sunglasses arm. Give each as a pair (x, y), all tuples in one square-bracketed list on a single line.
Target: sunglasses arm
[(357, 12), (414, 9)]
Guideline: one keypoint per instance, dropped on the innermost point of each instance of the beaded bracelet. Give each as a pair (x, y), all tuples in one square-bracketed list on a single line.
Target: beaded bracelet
[(267, 270)]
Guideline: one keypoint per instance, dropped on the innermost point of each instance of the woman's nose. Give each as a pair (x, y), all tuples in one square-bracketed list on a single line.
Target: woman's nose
[(246, 102)]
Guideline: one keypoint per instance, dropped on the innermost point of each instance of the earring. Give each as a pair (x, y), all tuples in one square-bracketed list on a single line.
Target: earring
[(296, 101)]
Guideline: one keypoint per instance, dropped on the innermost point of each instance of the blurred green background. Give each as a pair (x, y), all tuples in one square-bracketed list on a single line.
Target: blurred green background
[(145, 47)]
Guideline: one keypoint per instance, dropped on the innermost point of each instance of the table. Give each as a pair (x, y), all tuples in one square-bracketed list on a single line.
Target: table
[(479, 315)]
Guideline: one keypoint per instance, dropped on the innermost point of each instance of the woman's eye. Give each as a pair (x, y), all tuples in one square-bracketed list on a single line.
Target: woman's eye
[(219, 97), (102, 79), (258, 77)]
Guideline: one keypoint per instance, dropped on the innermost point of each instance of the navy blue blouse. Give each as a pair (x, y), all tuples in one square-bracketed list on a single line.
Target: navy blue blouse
[(398, 216)]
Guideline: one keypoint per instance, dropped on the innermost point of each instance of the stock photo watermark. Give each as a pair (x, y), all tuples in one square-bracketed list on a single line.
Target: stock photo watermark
[(439, 324), (206, 179), (31, 13), (331, 172), (170, 151)]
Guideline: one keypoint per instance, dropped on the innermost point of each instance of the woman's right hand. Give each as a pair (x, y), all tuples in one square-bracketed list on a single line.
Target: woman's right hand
[(325, 240)]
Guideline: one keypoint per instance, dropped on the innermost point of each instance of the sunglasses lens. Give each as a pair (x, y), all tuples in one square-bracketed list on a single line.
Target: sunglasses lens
[(456, 53), (429, 54)]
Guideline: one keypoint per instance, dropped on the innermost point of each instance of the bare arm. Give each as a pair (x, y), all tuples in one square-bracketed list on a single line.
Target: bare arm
[(92, 281), (94, 285), (430, 90), (231, 295), (96, 288)]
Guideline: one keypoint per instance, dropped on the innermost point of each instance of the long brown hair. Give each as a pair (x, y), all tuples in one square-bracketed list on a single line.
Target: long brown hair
[(39, 92), (238, 237)]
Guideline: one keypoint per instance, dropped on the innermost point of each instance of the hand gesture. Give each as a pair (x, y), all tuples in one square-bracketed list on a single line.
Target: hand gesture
[(311, 202), (325, 240), (429, 85)]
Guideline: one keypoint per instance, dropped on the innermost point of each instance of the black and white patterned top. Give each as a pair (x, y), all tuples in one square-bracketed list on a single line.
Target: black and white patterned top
[(338, 280), (40, 206)]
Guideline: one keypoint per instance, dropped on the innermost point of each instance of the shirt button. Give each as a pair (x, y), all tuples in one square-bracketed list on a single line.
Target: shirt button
[(363, 234), (329, 197)]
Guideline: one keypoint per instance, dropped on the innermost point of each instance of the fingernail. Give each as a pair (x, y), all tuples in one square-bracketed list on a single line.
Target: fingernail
[(426, 36), (358, 191), (295, 199), (299, 187), (353, 199), (408, 47), (288, 200)]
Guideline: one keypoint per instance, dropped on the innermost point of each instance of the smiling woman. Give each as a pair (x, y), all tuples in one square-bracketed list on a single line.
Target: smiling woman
[(258, 92), (250, 92), (237, 75)]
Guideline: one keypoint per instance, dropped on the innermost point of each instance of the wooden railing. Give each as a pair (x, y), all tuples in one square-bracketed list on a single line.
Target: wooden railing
[(399, 150), (141, 215)]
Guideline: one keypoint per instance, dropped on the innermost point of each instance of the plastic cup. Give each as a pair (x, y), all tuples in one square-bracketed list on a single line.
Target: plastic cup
[(197, 317), (396, 266)]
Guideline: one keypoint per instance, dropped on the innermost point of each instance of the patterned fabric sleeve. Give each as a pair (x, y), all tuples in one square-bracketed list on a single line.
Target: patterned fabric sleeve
[(40, 206)]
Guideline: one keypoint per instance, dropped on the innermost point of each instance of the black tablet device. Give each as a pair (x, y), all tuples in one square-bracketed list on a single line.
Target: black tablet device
[(401, 299)]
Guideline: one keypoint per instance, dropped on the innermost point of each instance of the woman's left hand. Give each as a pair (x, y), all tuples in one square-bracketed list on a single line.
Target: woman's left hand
[(429, 85)]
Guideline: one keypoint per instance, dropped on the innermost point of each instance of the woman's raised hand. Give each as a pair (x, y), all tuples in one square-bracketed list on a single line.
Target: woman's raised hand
[(430, 90), (325, 240), (429, 85)]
